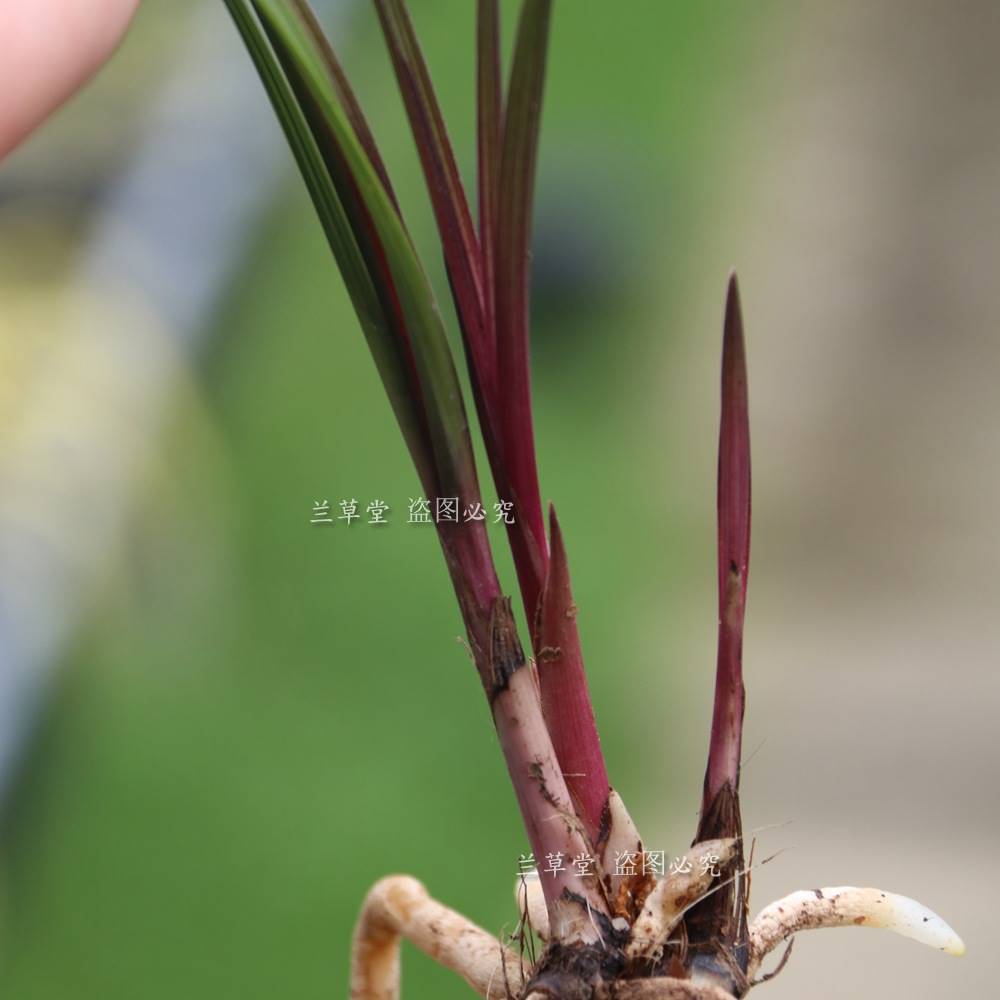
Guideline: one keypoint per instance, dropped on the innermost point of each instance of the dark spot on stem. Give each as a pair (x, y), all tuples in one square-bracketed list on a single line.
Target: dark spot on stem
[(535, 769), (604, 827), (506, 655)]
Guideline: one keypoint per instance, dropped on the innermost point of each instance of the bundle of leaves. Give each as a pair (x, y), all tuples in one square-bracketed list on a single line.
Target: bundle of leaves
[(607, 924)]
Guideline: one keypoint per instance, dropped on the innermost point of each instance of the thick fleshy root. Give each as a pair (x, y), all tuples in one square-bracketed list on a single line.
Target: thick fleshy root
[(847, 906), (399, 907)]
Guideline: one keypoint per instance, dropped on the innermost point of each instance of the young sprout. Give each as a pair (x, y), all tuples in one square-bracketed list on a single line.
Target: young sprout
[(610, 931), (672, 897)]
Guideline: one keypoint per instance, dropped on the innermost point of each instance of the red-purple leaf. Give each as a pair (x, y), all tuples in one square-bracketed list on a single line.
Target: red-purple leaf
[(489, 104), (393, 359), (734, 554), (451, 210), (513, 247), (408, 303), (566, 705), (396, 306), (464, 259), (716, 927), (345, 94)]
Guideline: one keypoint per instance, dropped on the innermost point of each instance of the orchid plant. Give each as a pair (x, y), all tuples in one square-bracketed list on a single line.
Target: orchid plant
[(610, 930)]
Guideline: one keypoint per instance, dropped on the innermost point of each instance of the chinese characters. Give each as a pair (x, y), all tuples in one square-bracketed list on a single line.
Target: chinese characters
[(626, 863), (419, 510)]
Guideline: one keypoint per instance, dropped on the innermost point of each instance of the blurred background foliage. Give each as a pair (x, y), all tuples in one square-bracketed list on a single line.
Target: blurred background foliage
[(259, 716)]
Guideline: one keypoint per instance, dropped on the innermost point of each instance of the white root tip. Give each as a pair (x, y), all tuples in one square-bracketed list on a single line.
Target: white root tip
[(846, 906)]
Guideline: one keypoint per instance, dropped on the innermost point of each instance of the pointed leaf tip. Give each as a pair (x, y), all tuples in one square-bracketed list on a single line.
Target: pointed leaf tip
[(566, 703), (733, 555), (734, 450)]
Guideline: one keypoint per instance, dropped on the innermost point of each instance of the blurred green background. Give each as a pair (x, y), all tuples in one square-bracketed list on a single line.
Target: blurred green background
[(260, 716)]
